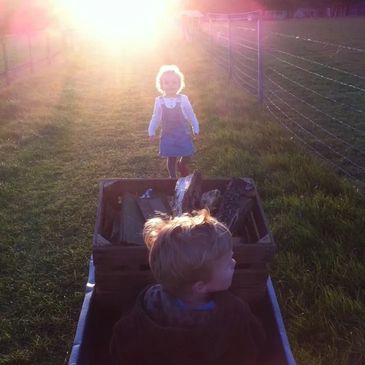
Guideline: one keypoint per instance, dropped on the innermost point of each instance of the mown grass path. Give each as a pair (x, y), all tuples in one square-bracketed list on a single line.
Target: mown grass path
[(65, 128)]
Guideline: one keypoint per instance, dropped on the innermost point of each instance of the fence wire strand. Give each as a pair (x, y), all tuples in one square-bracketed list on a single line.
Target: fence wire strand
[(354, 49), (317, 109), (306, 144), (316, 73), (314, 123), (316, 92), (331, 125)]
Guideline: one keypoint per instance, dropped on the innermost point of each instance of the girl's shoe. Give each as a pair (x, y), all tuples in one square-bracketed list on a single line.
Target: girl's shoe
[(183, 169)]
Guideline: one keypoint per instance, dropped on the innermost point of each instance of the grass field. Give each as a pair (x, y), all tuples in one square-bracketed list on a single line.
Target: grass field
[(68, 126)]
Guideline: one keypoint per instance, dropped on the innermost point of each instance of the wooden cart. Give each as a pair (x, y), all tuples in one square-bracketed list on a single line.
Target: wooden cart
[(119, 271)]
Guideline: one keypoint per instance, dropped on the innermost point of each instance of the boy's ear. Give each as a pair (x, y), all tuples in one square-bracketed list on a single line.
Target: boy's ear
[(199, 287)]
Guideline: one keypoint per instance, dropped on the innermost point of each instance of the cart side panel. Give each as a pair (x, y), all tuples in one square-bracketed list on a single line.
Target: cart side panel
[(254, 248)]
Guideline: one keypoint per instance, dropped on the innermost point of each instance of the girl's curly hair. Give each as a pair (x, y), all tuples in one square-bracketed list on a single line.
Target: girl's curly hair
[(166, 69)]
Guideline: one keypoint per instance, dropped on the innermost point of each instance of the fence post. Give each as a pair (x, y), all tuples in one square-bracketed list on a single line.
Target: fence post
[(229, 46), (5, 61), (47, 48), (210, 35), (30, 52), (260, 69)]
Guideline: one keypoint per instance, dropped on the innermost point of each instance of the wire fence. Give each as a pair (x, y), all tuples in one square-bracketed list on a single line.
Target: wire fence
[(25, 51), (314, 89)]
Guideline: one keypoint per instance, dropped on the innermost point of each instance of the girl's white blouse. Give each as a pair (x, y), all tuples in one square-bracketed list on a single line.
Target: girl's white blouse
[(186, 108)]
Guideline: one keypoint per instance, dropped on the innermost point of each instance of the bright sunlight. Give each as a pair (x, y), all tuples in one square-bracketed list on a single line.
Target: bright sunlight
[(120, 21)]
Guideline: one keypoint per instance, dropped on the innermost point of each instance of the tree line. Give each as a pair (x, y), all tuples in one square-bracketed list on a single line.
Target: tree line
[(24, 16), (339, 6)]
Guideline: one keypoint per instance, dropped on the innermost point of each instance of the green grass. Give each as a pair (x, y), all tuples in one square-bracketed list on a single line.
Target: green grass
[(70, 125)]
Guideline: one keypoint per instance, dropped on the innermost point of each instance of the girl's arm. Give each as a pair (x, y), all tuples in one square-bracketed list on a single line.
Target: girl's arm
[(156, 118), (189, 113)]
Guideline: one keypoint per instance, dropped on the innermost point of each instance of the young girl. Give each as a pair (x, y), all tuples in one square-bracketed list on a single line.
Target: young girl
[(173, 112)]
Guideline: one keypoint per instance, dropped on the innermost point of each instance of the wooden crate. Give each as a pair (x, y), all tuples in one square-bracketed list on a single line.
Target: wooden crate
[(122, 270)]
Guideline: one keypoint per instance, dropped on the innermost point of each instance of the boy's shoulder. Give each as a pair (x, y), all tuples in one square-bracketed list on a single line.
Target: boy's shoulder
[(231, 301), (228, 295)]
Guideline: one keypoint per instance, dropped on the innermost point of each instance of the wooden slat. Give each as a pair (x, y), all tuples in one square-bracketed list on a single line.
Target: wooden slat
[(131, 221), (249, 295), (114, 255), (242, 278), (123, 299), (115, 187), (246, 253), (119, 255), (122, 281), (251, 254), (260, 222), (115, 281), (152, 206)]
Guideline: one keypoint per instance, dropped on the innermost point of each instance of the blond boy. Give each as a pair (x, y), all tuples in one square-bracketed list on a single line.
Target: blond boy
[(189, 317)]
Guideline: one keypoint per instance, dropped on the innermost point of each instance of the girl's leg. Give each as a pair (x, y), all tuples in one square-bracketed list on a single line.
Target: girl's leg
[(171, 166), (183, 165)]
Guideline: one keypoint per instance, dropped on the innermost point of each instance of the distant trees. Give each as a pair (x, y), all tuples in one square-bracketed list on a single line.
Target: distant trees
[(7, 9), (23, 16), (220, 6), (340, 7)]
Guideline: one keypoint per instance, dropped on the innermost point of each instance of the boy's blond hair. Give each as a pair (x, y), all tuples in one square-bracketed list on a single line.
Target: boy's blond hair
[(183, 250), (165, 69)]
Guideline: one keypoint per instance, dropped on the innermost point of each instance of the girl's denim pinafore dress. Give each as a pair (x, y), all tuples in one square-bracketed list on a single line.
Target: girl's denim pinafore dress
[(176, 139)]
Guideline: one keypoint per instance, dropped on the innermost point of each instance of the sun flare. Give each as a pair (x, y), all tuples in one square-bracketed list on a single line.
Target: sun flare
[(138, 21)]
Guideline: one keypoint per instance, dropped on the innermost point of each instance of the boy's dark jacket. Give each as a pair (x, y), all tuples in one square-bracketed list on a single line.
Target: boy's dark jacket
[(233, 336)]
